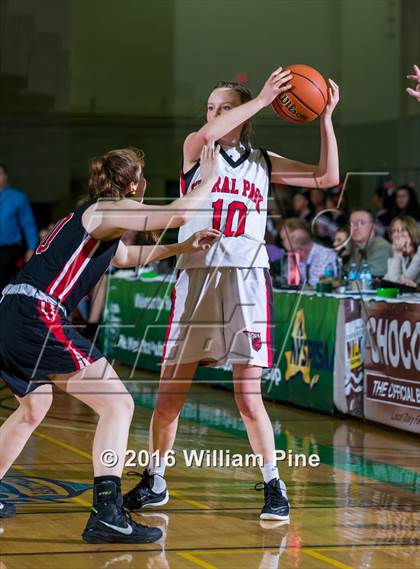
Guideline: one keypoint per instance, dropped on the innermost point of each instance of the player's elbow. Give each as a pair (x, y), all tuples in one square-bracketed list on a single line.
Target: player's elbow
[(332, 181), (328, 181)]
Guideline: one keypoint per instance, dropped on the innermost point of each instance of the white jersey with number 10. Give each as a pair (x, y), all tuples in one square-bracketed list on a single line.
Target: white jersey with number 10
[(237, 207)]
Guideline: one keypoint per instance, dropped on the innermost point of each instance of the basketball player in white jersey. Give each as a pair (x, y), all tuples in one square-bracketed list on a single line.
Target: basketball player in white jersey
[(222, 301)]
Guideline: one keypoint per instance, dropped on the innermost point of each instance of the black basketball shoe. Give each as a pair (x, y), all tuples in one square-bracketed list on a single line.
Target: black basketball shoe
[(276, 505), (142, 494), (110, 523), (7, 510)]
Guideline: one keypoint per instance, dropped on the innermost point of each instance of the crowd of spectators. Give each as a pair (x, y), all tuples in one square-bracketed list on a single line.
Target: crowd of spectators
[(318, 230)]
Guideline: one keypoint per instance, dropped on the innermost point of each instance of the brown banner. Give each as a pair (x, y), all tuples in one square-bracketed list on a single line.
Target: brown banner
[(392, 366)]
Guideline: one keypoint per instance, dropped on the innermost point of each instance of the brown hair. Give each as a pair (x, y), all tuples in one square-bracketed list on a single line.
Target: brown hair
[(344, 229), (294, 223), (409, 223), (368, 211), (245, 95), (111, 174)]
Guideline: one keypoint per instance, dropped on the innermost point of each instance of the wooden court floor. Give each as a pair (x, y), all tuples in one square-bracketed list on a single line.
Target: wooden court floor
[(359, 509)]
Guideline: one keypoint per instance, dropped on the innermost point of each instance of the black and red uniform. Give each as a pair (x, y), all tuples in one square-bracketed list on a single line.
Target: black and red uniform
[(36, 336)]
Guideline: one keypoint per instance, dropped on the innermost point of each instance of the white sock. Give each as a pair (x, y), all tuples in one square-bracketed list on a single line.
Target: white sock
[(158, 468), (270, 560), (269, 471)]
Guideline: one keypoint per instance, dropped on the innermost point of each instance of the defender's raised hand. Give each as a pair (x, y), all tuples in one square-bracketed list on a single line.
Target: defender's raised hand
[(209, 161)]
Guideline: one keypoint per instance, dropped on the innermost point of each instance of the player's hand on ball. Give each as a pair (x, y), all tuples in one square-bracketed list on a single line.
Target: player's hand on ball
[(200, 241), (277, 83), (333, 97), (209, 161), (415, 92)]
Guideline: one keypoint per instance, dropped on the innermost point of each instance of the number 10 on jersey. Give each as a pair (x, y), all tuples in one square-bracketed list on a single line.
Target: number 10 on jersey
[(236, 215)]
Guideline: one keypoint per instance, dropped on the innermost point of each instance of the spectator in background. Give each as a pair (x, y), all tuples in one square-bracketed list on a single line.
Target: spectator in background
[(342, 244), (302, 206), (366, 245), (322, 224), (318, 199), (406, 202), (336, 207), (17, 229), (404, 265), (382, 205), (283, 197), (314, 258)]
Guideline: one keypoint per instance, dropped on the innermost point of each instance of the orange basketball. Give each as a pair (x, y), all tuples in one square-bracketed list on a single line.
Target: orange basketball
[(307, 98)]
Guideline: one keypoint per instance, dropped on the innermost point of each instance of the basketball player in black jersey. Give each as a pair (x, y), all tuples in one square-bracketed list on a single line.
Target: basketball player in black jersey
[(38, 346)]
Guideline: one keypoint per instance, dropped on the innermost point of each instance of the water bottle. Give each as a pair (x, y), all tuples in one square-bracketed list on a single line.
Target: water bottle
[(353, 275), (329, 271), (365, 277)]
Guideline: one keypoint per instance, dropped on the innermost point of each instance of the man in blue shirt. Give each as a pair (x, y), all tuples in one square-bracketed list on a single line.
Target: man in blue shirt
[(18, 231)]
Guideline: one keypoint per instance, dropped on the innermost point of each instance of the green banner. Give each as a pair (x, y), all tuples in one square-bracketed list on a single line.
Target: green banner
[(135, 319), (134, 328), (305, 345)]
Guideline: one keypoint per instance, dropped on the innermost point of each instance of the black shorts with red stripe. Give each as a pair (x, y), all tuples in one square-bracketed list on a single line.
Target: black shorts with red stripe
[(36, 341)]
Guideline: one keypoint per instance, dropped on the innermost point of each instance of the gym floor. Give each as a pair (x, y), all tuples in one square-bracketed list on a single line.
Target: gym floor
[(360, 508)]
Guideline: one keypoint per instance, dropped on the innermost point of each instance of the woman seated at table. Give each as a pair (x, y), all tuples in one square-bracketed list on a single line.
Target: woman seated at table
[(404, 265)]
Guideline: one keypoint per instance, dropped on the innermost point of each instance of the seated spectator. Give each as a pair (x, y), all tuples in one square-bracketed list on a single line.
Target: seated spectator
[(342, 244), (302, 206), (406, 203), (366, 246), (314, 258), (404, 265)]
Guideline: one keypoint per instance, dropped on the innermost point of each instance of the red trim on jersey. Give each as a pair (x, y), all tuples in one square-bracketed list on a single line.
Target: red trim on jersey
[(171, 317), (67, 274), (43, 246), (182, 184), (268, 322), (55, 326)]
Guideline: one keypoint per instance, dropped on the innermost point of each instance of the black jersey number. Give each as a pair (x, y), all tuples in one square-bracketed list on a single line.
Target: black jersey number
[(234, 208), (43, 246)]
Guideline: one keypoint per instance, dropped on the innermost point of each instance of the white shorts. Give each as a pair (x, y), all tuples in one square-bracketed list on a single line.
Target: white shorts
[(219, 316)]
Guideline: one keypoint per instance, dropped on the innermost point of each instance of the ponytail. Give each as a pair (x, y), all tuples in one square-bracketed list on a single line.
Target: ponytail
[(111, 174)]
